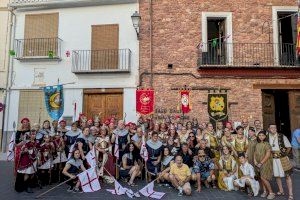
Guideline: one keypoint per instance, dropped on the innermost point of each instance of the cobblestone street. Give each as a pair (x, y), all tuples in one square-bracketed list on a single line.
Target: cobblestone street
[(7, 191)]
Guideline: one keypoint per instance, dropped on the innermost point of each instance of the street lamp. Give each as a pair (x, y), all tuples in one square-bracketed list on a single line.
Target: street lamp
[(136, 19)]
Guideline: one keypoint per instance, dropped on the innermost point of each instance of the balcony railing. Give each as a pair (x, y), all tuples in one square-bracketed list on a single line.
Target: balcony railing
[(37, 49), (98, 61), (247, 55)]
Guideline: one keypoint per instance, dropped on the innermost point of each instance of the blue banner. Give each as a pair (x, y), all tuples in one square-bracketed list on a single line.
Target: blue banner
[(54, 100)]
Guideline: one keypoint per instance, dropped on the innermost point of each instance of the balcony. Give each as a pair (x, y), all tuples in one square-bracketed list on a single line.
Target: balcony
[(101, 61), (51, 4), (38, 49), (248, 55)]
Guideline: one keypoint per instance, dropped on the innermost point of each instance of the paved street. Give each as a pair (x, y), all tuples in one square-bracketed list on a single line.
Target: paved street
[(7, 192)]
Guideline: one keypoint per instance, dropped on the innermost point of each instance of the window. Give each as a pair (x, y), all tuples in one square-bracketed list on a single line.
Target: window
[(32, 105)]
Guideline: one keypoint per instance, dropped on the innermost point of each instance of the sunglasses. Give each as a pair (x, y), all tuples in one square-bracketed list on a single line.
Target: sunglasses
[(201, 156)]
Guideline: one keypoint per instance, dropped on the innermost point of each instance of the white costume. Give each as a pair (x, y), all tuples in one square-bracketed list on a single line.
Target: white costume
[(277, 166), (248, 170), (229, 180)]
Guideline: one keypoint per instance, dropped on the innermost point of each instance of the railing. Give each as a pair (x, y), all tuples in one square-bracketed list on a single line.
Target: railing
[(107, 60), (38, 48), (28, 1), (247, 55)]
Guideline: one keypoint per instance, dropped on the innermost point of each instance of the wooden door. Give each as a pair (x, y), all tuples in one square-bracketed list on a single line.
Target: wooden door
[(294, 104), (268, 108), (105, 46), (107, 104)]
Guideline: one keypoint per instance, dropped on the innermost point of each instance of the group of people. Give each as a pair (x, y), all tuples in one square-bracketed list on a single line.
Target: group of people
[(178, 154)]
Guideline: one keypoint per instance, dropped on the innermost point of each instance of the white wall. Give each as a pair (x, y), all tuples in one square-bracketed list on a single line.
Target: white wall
[(75, 31)]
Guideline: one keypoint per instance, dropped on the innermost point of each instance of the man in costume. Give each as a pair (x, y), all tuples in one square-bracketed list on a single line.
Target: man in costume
[(282, 166), (27, 163), (122, 135)]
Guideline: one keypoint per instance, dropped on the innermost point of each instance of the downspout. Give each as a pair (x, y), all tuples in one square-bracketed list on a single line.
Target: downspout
[(9, 79), (151, 55)]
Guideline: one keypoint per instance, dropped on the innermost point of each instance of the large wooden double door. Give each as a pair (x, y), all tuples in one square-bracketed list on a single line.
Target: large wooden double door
[(106, 102)]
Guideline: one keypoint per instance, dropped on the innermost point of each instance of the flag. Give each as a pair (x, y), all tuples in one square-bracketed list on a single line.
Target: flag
[(144, 151), (91, 157), (71, 150), (298, 36), (185, 101), (148, 191), (145, 101), (89, 180), (54, 101), (116, 150), (120, 190), (11, 152)]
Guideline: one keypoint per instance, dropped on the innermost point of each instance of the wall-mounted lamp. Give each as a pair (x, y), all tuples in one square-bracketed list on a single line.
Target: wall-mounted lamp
[(136, 19)]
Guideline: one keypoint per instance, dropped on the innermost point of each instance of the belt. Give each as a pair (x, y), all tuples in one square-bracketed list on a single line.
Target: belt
[(277, 154)]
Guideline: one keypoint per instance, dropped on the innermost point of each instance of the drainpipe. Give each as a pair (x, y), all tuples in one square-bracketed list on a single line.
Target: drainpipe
[(9, 80), (151, 55)]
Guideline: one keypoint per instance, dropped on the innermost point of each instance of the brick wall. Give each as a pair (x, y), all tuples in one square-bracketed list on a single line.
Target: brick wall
[(176, 33)]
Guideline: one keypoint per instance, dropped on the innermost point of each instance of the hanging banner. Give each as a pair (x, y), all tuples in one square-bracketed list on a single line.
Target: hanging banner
[(217, 106), (145, 101), (54, 101), (185, 101)]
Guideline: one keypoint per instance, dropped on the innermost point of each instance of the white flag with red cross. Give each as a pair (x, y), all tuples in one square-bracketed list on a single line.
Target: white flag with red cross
[(89, 180), (120, 190), (91, 158), (144, 151), (116, 151), (148, 191), (11, 153)]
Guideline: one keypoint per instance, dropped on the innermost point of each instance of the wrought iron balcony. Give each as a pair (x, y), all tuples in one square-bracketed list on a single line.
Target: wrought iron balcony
[(38, 49), (101, 61), (253, 55)]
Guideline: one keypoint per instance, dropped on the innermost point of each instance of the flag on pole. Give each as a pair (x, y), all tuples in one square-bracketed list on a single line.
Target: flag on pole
[(91, 158), (71, 151), (143, 151), (11, 153), (116, 151), (120, 190), (148, 191), (89, 180)]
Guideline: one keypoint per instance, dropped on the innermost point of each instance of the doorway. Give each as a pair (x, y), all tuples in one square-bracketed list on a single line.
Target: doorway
[(287, 29)]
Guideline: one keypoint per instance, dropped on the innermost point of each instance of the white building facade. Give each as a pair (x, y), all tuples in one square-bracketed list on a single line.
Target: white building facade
[(90, 46)]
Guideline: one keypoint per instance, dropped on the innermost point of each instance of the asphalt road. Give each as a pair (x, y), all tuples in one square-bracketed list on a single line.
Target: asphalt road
[(7, 190)]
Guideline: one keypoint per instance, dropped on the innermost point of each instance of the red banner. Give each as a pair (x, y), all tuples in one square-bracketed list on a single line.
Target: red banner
[(145, 101), (185, 101)]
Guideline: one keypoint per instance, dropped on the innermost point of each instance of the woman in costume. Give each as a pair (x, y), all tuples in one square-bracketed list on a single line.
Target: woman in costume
[(62, 128), (27, 163), (212, 142), (71, 137), (92, 137), (73, 167), (82, 143), (228, 139), (46, 128), (154, 148), (163, 132), (45, 162), (167, 158), (59, 155), (227, 171), (129, 165), (264, 163), (183, 135)]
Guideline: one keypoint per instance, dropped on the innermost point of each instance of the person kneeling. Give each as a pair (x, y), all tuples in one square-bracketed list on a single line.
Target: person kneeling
[(73, 167), (203, 170), (247, 178), (180, 176)]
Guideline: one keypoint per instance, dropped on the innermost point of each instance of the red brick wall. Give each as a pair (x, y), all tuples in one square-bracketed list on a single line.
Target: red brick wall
[(176, 33)]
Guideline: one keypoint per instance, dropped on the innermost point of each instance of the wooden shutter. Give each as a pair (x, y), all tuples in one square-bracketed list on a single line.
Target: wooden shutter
[(41, 33), (32, 105), (294, 104), (268, 108), (105, 45)]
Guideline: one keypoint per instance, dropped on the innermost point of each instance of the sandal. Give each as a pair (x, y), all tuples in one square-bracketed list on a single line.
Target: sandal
[(264, 194), (271, 196), (280, 194), (291, 197)]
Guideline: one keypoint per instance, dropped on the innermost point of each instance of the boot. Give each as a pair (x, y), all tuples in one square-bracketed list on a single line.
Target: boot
[(28, 189)]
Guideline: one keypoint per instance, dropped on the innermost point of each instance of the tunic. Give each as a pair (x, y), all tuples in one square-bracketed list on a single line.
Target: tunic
[(154, 151), (250, 150), (227, 165), (266, 170)]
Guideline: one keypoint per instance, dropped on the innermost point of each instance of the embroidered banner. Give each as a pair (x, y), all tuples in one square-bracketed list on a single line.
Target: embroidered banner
[(217, 106), (185, 101), (54, 101), (145, 101)]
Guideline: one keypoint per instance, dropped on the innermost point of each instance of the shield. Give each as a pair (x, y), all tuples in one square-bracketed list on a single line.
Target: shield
[(217, 106), (54, 101)]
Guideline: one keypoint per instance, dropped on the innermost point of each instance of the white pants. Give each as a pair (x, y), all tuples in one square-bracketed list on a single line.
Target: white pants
[(254, 184), (229, 182)]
